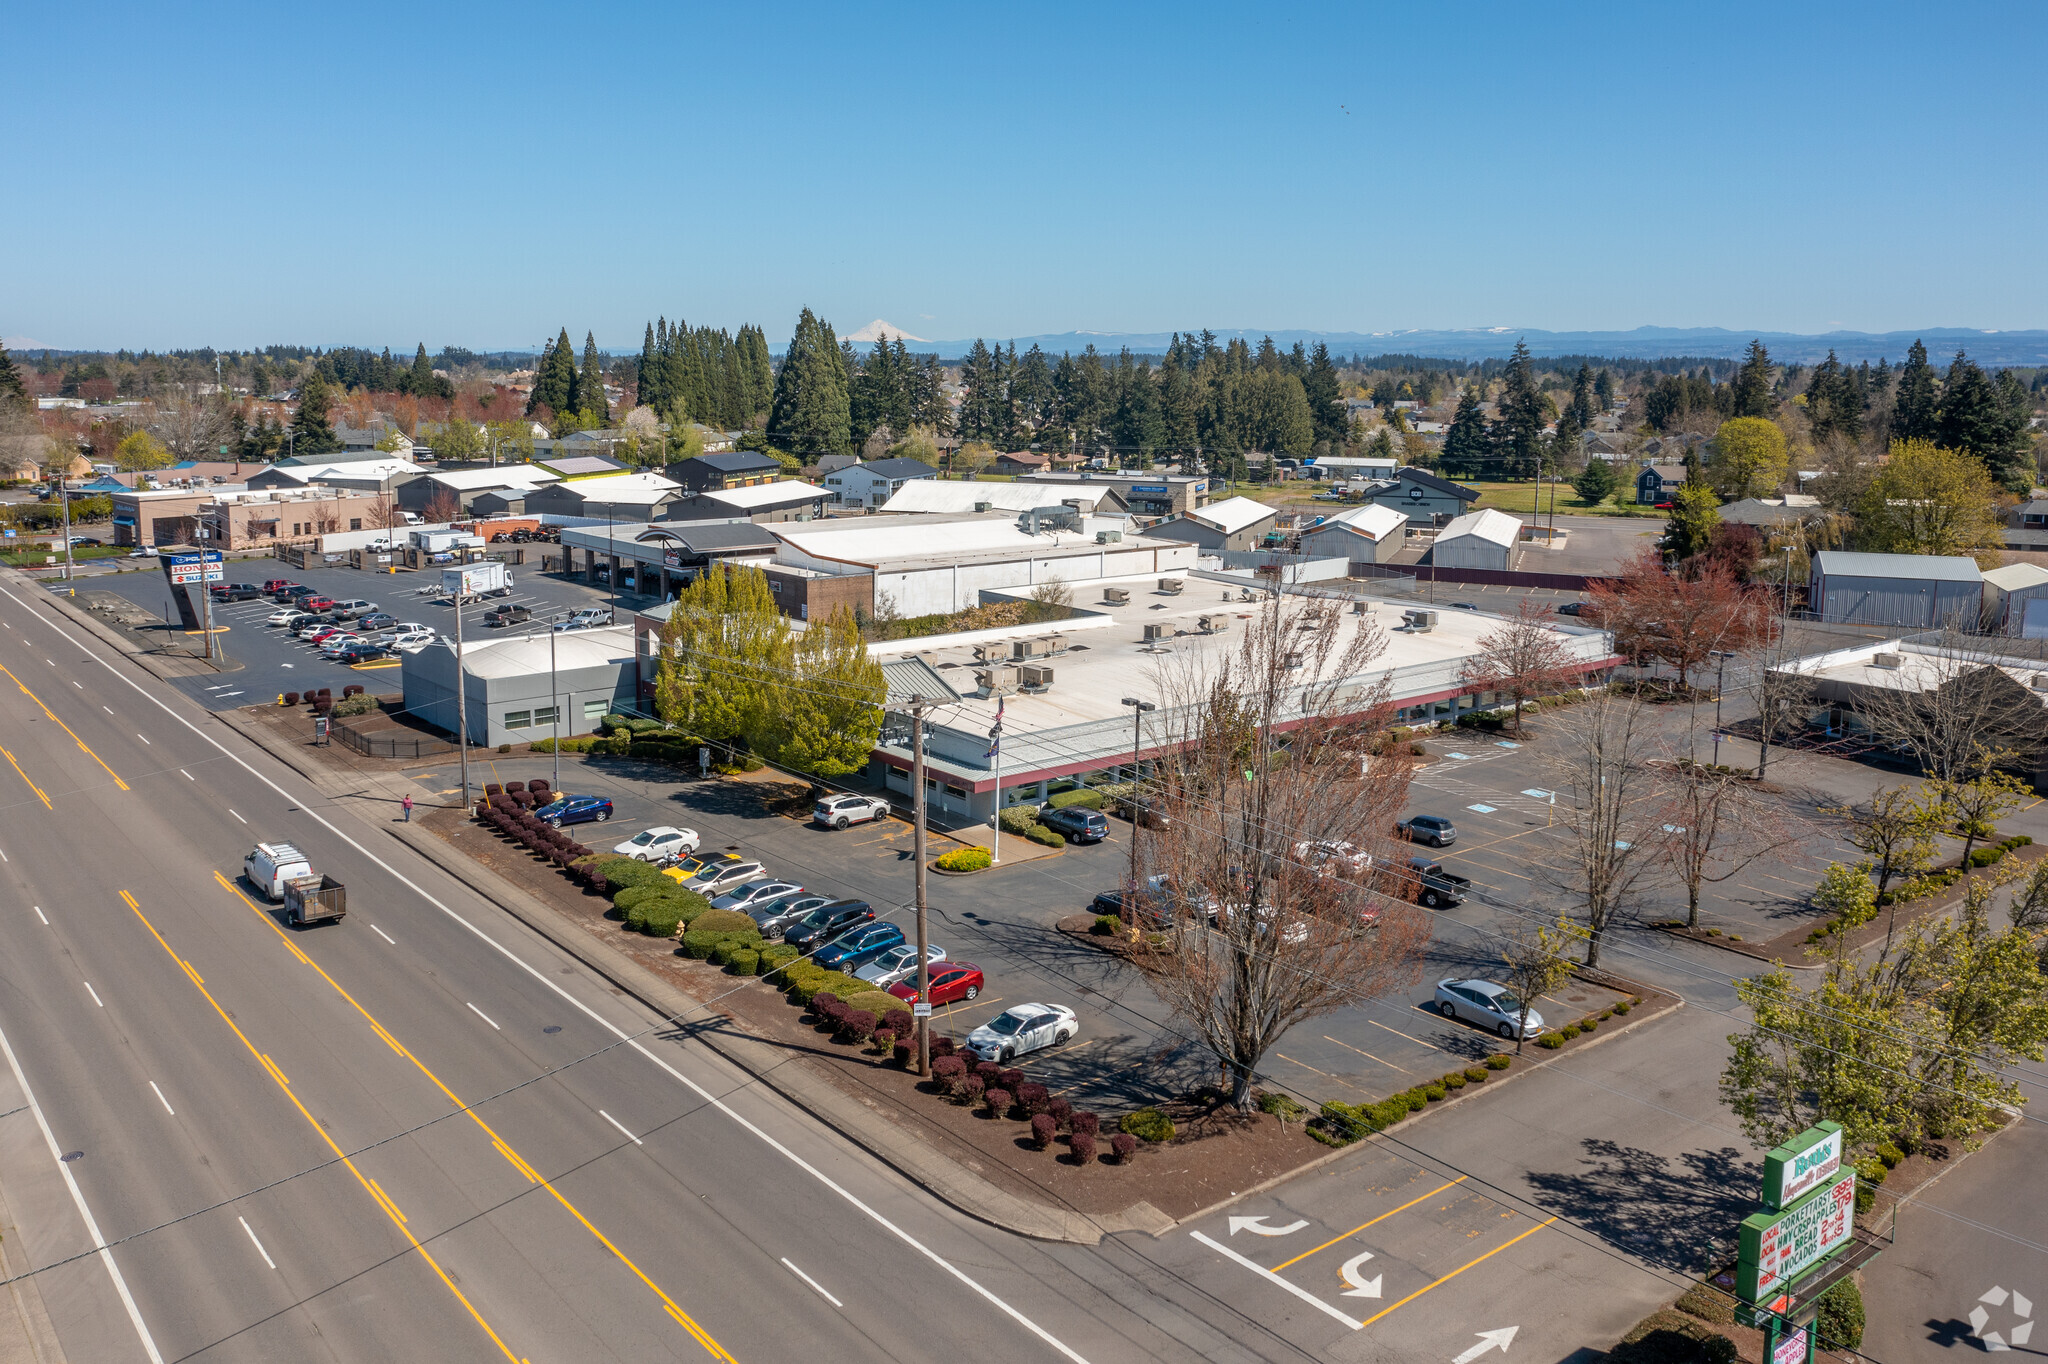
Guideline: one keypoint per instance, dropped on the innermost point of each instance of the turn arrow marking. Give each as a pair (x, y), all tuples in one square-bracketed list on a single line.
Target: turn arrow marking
[(1257, 1226), (1487, 1341), (1360, 1288)]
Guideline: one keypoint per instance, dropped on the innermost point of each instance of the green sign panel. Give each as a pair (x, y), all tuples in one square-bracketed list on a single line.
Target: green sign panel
[(1802, 1165), (1778, 1247)]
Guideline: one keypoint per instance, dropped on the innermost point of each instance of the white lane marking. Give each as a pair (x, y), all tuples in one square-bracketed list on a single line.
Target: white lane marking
[(637, 1142), (162, 1100), (76, 683), (813, 1283), (95, 995), (44, 917), (1302, 1293), (92, 1228), (186, 775), (108, 709), (481, 1014), (232, 812), (259, 1245), (382, 934), (4, 857), (631, 1040), (143, 737), (51, 661)]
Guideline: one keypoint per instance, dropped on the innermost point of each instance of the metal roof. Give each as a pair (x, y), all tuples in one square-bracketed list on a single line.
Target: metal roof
[(1232, 514), (1842, 563), (782, 493), (910, 676), (1487, 523)]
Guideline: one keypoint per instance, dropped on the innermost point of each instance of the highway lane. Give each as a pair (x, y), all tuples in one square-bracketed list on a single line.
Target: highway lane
[(704, 1204)]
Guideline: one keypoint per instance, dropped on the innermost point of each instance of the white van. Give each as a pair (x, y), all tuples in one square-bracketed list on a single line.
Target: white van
[(269, 865)]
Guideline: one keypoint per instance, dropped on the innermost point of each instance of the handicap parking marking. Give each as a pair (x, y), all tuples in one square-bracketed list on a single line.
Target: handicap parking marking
[(1481, 809)]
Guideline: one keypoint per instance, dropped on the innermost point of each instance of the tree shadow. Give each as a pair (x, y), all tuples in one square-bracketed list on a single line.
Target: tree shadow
[(1670, 1210)]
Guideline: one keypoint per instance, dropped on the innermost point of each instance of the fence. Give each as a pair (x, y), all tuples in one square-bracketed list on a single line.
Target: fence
[(390, 743), (1496, 577)]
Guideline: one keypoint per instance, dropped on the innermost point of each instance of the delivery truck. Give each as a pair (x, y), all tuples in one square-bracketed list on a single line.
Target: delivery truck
[(486, 578)]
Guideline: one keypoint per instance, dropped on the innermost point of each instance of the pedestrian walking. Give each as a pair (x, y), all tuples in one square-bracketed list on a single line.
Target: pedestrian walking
[(407, 803)]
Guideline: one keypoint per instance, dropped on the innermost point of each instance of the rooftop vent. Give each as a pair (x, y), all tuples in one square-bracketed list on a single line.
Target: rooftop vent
[(1155, 631), (983, 506), (1171, 586), (1116, 596), (1108, 537), (1889, 661), (2041, 681), (1422, 622), (1034, 677)]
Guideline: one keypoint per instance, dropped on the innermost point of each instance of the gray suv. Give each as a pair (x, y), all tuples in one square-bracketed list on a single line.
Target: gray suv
[(1434, 830)]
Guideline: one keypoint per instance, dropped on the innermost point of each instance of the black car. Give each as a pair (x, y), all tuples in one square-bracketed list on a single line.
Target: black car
[(827, 922), (236, 592), (362, 651), (1463, 606), (296, 591), (1077, 824), (1578, 608)]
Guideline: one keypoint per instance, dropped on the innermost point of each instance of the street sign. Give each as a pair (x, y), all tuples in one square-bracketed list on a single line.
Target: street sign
[(920, 1010), (1777, 1247), (1802, 1164)]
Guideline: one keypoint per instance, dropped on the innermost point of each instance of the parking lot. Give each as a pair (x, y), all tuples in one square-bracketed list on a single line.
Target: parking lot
[(265, 661)]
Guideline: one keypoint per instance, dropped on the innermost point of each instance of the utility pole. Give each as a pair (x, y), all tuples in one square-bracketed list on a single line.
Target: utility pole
[(64, 496), (555, 705), (924, 970), (1138, 709), (462, 695)]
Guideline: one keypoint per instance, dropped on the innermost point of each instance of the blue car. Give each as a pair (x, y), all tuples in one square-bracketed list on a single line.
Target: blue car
[(576, 810), (859, 947)]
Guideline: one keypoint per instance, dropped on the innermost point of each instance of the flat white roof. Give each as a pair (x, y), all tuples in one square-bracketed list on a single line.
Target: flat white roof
[(2013, 577), (504, 476), (767, 494), (930, 495), (1232, 514), (870, 541), (1487, 524), (523, 655), (647, 488)]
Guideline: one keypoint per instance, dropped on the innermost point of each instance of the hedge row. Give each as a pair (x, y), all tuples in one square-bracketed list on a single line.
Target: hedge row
[(502, 813), (1340, 1124)]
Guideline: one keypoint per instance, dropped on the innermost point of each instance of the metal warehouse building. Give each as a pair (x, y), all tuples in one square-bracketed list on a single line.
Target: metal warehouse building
[(1914, 591), (514, 696), (1480, 539), (2016, 601)]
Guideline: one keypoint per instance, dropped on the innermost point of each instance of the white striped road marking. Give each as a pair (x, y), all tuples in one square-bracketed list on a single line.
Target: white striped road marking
[(382, 934), (259, 1245), (1311, 1299), (629, 1136), (95, 995), (108, 709), (481, 1014), (143, 737), (40, 915), (813, 1283), (232, 812), (186, 775), (162, 1100)]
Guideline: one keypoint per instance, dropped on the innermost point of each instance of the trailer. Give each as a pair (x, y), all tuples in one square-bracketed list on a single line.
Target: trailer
[(485, 578), (314, 900)]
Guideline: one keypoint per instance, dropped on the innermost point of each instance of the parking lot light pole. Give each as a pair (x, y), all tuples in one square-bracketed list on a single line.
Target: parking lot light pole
[(1720, 677), (461, 698), (924, 968), (1138, 709), (555, 704)]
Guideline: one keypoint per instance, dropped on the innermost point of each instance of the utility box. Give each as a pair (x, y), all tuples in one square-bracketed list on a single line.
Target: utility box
[(1215, 624), (1171, 586), (995, 681), (1116, 596), (1034, 677), (1155, 632)]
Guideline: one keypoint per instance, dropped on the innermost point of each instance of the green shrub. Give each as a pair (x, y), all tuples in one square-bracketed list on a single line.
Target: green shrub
[(698, 944), (659, 918), (1872, 1171), (1387, 1112), (1840, 1318), (876, 1002), (1018, 819), (582, 745), (1280, 1106), (772, 957), (964, 859), (1622, 1007), (1432, 1093), (1087, 800), (1588, 1023), (728, 943), (1418, 1098), (1568, 1032), (627, 898), (362, 703), (623, 873), (1708, 1303), (635, 919), (1475, 1074), (723, 921), (1455, 1080), (1148, 1124), (693, 905), (1038, 833), (811, 982), (745, 962), (1866, 1198), (1550, 1041), (1889, 1154), (1342, 1124), (1107, 926), (615, 721), (1500, 1060)]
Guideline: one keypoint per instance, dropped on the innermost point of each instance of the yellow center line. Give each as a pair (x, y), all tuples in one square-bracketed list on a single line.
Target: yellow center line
[(1460, 1270), (31, 785), (378, 1195), (1375, 1222), (66, 728), (504, 1148), (1398, 1033)]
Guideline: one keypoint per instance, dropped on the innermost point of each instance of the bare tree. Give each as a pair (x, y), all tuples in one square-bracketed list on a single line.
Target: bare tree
[(442, 508), (1950, 705), (192, 426), (1600, 764), (1524, 658), (1262, 932), (1713, 824), (1537, 960), (1783, 695)]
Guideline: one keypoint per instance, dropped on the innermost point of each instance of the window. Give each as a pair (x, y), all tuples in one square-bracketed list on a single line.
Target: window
[(518, 719), (594, 710), (544, 715), (355, 523)]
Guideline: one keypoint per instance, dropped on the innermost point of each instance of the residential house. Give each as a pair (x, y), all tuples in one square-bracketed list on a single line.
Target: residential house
[(732, 469), (1022, 462), (2026, 525), (871, 485), (1657, 484), (1763, 512)]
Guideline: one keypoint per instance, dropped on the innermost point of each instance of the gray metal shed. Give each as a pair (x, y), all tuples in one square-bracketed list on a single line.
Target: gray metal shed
[(1910, 591), (2016, 601), (512, 699), (1481, 539)]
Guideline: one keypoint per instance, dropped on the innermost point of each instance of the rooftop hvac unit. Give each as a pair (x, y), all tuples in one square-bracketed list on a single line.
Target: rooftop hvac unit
[(2041, 681), (991, 653), (983, 506), (993, 681), (1361, 608), (1108, 537), (1034, 677), (1891, 661), (1116, 596), (1155, 632), (1170, 586), (1030, 648), (1055, 644), (1292, 661), (1215, 624), (1420, 621)]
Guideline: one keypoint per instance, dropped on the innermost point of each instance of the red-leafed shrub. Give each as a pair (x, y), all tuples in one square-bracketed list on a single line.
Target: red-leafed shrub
[(943, 1046), (856, 1025), (1043, 1130), (906, 1054), (1012, 1080), (493, 789), (948, 1072), (537, 785), (1125, 1146), (347, 692), (1082, 1144), (1061, 1110), (822, 1001), (989, 1071), (291, 698), (326, 692), (899, 1022), (885, 1040), (1032, 1098), (1084, 1124), (969, 1089), (999, 1101), (512, 786)]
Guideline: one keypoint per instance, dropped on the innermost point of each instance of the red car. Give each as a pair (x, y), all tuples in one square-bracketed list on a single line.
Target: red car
[(317, 604), (276, 585), (952, 981), (320, 635)]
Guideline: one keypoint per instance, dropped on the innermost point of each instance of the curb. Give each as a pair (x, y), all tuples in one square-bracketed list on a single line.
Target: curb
[(1683, 936), (1466, 1095)]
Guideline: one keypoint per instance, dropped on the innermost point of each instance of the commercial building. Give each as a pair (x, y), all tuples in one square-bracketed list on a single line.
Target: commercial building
[(1422, 497), (2016, 601), (380, 475), (624, 497), (458, 489), (787, 499), (1370, 534), (246, 520), (1146, 495), (733, 469), (516, 691), (1481, 539), (1910, 591), (1231, 525), (872, 485), (957, 497), (168, 516)]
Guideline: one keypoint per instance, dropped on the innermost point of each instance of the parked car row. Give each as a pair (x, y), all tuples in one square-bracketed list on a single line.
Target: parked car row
[(374, 634)]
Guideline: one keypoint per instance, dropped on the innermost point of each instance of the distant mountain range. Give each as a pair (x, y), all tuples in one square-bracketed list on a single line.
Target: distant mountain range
[(1643, 343)]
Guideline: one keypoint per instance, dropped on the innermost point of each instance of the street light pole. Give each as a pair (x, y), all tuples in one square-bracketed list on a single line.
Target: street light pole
[(1138, 709), (461, 699), (555, 703), (924, 971)]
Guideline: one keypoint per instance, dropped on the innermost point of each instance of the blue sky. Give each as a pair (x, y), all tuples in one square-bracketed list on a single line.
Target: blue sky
[(483, 175)]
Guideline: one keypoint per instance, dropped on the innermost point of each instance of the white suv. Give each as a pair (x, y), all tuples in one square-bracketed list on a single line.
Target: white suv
[(836, 812)]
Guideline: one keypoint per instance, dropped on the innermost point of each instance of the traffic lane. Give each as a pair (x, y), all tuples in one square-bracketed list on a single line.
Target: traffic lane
[(1968, 1261)]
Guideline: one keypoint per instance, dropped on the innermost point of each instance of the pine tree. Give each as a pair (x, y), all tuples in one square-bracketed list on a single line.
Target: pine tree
[(311, 435), (1581, 409), (423, 379), (1517, 432), (1603, 389), (811, 413), (1916, 410), (757, 373), (1988, 420), (1325, 398), (554, 379), (1750, 393), (590, 395), (13, 391), (1595, 482), (646, 391), (1465, 446)]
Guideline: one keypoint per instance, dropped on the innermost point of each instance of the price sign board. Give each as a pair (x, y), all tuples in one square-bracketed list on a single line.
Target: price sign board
[(1791, 1349), (1802, 1164), (1777, 1247)]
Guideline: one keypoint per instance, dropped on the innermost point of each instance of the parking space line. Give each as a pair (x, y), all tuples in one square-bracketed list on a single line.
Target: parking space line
[(1375, 1222), (1366, 1054), (1299, 1292), (1456, 1272), (1398, 1033)]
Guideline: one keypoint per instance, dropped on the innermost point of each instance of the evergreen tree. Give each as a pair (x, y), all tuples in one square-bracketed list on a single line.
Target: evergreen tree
[(311, 435), (14, 392), (554, 379), (1517, 433), (1834, 402), (1325, 398), (812, 409), (1179, 410), (1916, 409), (590, 395), (1750, 393), (1137, 428), (1581, 410), (981, 397), (1465, 446), (647, 391), (1989, 420), (1603, 390), (757, 373), (1595, 482), (423, 377)]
